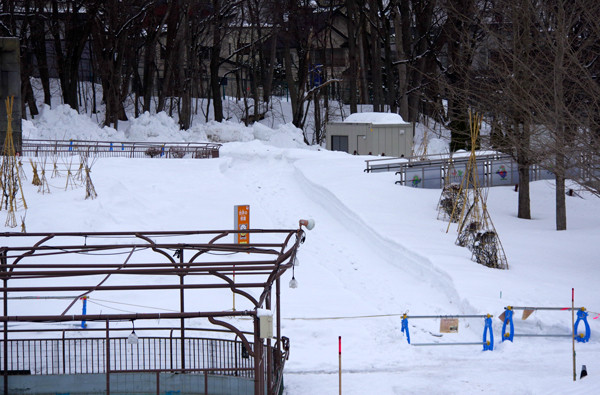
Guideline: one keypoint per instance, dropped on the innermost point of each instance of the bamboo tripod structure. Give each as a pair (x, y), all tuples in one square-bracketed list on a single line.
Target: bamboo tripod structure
[(476, 230), (450, 203)]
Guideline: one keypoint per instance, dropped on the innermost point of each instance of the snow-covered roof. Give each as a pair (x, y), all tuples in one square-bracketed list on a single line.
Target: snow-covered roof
[(376, 118)]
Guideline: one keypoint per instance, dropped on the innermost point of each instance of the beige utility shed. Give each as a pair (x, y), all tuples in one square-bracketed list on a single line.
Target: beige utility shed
[(371, 133)]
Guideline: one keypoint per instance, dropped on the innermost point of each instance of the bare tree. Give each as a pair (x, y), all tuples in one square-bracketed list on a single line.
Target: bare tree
[(38, 43), (537, 80), (113, 25), (462, 36), (570, 99), (172, 49), (222, 12), (298, 35), (504, 82), (70, 28), (154, 23), (353, 27)]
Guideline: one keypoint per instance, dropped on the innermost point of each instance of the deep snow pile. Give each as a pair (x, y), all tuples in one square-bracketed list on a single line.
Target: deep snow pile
[(64, 123), (376, 252)]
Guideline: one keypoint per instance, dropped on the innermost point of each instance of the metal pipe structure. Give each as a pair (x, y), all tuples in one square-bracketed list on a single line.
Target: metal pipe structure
[(124, 317), (137, 328), (449, 344), (544, 308), (541, 335), (130, 287), (450, 316), (170, 256)]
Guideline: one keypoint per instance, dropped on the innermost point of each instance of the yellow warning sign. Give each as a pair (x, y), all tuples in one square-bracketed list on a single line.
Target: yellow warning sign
[(242, 222)]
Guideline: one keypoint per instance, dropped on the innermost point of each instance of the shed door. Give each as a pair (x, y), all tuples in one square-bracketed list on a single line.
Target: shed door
[(339, 143), (361, 144)]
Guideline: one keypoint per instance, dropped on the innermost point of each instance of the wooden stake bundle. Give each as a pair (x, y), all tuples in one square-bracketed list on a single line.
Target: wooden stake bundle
[(55, 172), (90, 191), (9, 173), (35, 178), (79, 174), (70, 177), (44, 186)]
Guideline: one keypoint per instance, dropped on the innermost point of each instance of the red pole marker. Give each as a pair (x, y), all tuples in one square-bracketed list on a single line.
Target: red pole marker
[(573, 331), (340, 356)]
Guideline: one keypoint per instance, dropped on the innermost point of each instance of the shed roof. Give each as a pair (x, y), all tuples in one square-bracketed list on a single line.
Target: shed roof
[(375, 118)]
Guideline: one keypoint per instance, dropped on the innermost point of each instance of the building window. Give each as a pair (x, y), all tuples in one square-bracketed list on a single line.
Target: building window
[(339, 143)]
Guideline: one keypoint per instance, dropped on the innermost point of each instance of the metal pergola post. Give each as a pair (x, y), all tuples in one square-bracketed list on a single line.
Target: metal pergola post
[(269, 353), (259, 388), (5, 310), (107, 358), (182, 309)]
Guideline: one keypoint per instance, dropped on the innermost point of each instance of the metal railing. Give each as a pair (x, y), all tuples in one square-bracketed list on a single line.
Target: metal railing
[(101, 149), (88, 355), (493, 170)]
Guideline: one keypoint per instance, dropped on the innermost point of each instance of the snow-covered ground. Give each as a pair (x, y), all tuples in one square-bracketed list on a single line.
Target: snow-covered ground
[(377, 251)]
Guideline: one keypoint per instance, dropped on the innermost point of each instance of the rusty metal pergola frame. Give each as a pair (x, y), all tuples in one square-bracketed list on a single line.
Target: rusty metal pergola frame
[(40, 263)]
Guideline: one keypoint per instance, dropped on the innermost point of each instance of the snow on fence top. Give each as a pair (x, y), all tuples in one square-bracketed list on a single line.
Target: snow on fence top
[(376, 118)]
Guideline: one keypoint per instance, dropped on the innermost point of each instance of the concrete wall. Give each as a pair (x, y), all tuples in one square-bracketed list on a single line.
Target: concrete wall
[(393, 140), (10, 85), (127, 384)]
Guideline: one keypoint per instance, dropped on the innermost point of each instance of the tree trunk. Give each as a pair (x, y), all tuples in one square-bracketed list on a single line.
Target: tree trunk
[(523, 160), (317, 114), (215, 81), (297, 106), (254, 80), (352, 19), (524, 208), (28, 98), (76, 33), (376, 66), (559, 113), (561, 208), (268, 79), (185, 112), (400, 26), (364, 84), (389, 83), (148, 78), (38, 38), (171, 55)]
